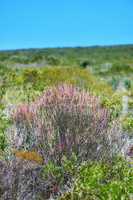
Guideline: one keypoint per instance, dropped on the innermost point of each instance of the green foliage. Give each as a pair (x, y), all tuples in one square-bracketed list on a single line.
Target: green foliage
[(2, 141), (76, 76), (114, 83), (20, 94), (85, 63), (69, 164), (72, 56), (127, 123), (30, 76), (36, 57), (4, 124), (7, 78), (19, 59), (54, 172), (60, 173), (95, 181), (53, 60), (40, 79), (130, 103), (114, 104), (127, 84), (120, 68)]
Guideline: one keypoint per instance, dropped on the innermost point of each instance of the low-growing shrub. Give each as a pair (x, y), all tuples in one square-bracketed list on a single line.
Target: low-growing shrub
[(120, 68), (114, 82), (130, 104), (85, 63), (53, 60), (66, 120), (30, 76), (61, 175), (20, 94), (102, 181), (4, 124), (127, 84), (127, 123), (114, 104)]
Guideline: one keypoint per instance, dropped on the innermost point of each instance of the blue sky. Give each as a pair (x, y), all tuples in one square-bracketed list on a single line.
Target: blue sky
[(58, 23)]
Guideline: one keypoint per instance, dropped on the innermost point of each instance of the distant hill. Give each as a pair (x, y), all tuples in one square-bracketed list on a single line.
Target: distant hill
[(71, 56)]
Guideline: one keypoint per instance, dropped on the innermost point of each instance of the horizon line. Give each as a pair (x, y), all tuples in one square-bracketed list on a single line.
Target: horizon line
[(66, 47)]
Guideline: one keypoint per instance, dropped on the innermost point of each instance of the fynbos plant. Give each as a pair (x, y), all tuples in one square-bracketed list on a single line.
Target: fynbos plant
[(62, 121)]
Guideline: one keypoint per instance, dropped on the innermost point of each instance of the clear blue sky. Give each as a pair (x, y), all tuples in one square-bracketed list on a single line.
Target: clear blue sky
[(57, 23)]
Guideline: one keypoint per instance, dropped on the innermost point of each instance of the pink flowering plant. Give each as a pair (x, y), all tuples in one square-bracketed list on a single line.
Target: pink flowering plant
[(64, 120)]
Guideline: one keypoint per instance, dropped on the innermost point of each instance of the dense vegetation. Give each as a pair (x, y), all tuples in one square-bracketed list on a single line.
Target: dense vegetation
[(72, 56), (66, 123)]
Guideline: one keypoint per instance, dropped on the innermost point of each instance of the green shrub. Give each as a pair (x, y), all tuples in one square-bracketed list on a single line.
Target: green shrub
[(127, 84), (36, 57), (114, 83), (76, 76), (127, 123), (53, 171), (51, 76), (121, 68), (19, 59), (30, 75), (62, 174), (85, 63), (114, 104), (95, 181), (130, 103), (4, 124), (53, 60), (20, 94)]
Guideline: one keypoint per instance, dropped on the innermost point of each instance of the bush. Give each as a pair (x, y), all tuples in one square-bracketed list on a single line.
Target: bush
[(30, 76), (20, 94), (65, 120), (36, 57), (61, 176), (102, 181), (127, 123), (52, 76), (4, 124), (130, 103), (114, 104), (85, 63), (127, 84), (114, 83), (121, 68), (19, 59), (53, 60)]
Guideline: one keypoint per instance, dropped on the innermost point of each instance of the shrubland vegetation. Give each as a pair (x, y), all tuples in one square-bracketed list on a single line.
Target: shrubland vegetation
[(61, 123), (72, 56)]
